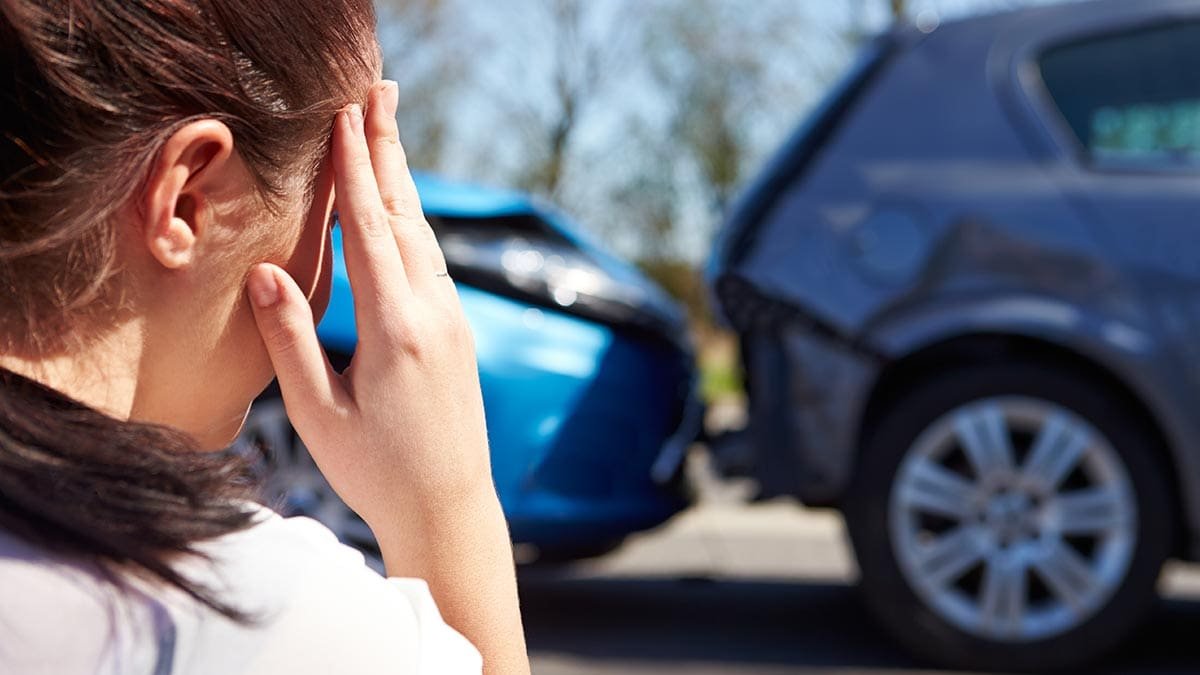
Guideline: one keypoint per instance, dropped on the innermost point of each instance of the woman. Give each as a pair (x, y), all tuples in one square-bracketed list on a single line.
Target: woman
[(169, 171)]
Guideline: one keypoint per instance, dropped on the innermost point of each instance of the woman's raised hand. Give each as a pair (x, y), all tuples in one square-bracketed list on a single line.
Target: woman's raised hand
[(400, 434), (401, 431)]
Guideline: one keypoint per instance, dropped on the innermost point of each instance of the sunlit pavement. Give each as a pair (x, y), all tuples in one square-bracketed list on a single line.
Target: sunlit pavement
[(764, 589)]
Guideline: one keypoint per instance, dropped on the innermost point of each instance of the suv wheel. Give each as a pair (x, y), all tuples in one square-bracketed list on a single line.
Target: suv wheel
[(1011, 517)]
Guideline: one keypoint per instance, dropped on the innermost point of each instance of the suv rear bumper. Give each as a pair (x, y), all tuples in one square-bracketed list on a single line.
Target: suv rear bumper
[(806, 393)]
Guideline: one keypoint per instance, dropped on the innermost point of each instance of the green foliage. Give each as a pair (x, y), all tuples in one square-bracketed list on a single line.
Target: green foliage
[(720, 379)]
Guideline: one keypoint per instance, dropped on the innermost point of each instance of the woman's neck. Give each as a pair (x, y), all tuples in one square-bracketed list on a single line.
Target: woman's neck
[(102, 374)]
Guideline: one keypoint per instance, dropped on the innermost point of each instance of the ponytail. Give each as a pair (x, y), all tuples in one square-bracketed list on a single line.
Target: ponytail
[(131, 498)]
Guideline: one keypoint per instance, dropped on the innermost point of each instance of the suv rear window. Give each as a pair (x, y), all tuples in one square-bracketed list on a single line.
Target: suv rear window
[(1133, 96)]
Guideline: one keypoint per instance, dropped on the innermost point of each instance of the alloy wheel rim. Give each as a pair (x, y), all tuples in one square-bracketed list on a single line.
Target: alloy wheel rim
[(294, 484), (1013, 518)]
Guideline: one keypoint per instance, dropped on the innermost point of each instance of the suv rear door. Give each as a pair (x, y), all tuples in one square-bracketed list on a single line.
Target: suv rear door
[(1126, 103)]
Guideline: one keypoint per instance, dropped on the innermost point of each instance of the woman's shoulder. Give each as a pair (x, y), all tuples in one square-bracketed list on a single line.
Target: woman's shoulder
[(60, 616), (307, 588), (284, 545), (313, 603)]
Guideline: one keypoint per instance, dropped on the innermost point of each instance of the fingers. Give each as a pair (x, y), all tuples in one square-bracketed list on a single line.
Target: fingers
[(396, 187), (418, 247), (309, 384), (373, 261)]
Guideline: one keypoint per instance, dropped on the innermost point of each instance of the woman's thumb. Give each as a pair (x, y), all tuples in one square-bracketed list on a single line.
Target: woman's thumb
[(285, 322)]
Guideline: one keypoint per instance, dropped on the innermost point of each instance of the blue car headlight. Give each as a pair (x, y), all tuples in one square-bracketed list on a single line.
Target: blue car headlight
[(521, 256)]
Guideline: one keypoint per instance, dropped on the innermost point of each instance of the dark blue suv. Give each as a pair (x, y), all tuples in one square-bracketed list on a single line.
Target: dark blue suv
[(968, 295)]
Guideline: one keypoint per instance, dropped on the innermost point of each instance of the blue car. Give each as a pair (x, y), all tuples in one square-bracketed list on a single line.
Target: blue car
[(586, 369)]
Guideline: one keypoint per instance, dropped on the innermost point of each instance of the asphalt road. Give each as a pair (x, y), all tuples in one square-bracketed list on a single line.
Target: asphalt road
[(757, 590)]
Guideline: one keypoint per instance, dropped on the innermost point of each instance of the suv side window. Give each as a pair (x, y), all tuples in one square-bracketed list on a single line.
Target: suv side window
[(1132, 97)]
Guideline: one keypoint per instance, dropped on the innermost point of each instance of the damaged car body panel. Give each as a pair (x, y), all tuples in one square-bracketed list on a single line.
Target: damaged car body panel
[(941, 205)]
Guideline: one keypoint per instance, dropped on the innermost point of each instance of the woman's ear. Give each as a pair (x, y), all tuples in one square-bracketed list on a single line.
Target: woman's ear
[(192, 167)]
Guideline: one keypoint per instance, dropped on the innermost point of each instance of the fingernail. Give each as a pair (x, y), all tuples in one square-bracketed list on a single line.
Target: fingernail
[(263, 287), (391, 96), (356, 116)]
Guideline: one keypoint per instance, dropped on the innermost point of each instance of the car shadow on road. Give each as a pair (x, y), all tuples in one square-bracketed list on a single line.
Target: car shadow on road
[(776, 623)]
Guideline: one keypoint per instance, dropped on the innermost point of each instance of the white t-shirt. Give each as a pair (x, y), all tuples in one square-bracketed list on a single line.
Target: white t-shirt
[(318, 609)]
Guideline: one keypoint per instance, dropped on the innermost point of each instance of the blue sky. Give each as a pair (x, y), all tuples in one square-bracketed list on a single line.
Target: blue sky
[(511, 48)]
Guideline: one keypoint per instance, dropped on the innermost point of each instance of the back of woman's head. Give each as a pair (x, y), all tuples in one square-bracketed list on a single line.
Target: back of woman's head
[(90, 90)]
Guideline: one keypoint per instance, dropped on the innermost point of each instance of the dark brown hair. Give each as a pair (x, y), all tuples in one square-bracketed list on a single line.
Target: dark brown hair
[(89, 91)]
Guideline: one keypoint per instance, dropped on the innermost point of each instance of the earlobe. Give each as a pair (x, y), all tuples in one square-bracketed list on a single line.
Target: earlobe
[(174, 245), (191, 168)]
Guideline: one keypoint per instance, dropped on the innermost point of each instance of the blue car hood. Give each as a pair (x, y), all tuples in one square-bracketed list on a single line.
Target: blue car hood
[(440, 197)]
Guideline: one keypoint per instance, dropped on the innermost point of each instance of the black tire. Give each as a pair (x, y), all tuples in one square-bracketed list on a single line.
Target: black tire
[(920, 627)]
